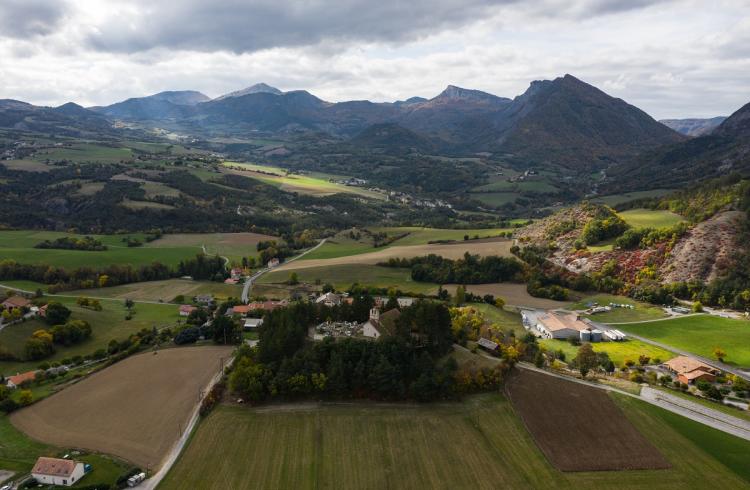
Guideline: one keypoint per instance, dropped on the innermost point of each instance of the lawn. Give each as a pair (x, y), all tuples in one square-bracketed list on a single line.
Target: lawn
[(479, 443), (18, 452), (700, 334), (641, 312), (84, 153), (495, 199), (107, 324), (19, 246), (618, 351), (647, 218), (343, 276)]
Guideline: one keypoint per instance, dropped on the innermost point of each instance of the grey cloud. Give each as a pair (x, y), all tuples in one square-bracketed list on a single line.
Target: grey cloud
[(24, 19), (248, 26)]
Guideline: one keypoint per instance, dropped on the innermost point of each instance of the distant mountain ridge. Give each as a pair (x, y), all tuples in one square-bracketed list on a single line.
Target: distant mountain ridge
[(693, 127), (258, 88)]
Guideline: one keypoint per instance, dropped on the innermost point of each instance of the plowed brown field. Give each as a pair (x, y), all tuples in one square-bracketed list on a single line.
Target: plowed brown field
[(134, 409), (579, 428)]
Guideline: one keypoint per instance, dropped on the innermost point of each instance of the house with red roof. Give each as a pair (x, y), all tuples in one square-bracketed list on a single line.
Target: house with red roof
[(13, 382)]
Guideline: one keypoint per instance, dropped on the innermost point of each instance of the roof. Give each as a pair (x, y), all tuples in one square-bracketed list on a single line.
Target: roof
[(558, 320), (333, 297), (696, 373), (54, 466), (16, 302), (187, 308), (20, 378), (386, 324), (685, 364), (487, 343), (242, 309), (266, 305)]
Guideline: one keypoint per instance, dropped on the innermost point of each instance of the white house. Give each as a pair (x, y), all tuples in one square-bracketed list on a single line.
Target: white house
[(54, 471)]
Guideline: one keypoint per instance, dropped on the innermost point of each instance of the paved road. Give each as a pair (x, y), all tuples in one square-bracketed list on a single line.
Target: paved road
[(174, 453), (694, 411), (250, 280)]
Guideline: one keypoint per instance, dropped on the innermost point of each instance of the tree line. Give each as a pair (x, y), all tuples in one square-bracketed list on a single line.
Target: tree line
[(471, 269)]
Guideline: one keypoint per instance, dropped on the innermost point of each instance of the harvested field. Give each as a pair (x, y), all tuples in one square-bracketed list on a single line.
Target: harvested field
[(579, 428), (165, 290), (513, 294), (496, 246), (231, 245), (134, 409)]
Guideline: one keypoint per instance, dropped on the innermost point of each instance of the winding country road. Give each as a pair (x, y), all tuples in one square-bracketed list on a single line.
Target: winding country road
[(250, 280)]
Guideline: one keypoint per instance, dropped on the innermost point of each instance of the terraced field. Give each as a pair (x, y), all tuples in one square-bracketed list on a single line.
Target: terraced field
[(649, 218)]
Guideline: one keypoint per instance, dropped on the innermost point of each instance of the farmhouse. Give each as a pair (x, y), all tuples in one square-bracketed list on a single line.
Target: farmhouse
[(562, 325), (403, 301), (186, 310), (274, 262), (236, 273), (689, 370), (13, 382), (379, 325), (54, 471), (16, 302), (329, 299), (253, 323)]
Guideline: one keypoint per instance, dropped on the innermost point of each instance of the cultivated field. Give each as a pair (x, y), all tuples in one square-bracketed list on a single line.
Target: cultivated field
[(451, 251), (106, 325), (343, 276), (479, 443), (579, 428), (165, 290), (135, 409), (648, 218), (615, 199), (700, 334), (514, 294)]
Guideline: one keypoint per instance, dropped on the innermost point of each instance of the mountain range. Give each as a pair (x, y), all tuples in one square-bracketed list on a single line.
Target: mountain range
[(563, 122)]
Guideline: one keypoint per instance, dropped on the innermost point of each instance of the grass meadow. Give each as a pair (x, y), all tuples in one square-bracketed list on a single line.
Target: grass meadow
[(648, 218), (343, 276), (618, 351), (108, 324), (478, 443), (700, 334), (641, 312)]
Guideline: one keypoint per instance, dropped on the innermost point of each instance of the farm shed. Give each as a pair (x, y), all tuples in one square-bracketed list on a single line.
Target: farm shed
[(55, 471), (487, 344), (253, 323)]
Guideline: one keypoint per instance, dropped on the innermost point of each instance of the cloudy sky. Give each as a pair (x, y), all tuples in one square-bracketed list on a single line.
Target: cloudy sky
[(672, 58)]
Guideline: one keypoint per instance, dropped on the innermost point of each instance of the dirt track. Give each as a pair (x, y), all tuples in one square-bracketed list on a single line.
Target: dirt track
[(496, 246), (134, 409), (579, 428)]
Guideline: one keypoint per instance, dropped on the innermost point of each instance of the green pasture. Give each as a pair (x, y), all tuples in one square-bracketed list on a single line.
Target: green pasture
[(700, 334), (649, 218), (108, 324), (343, 276), (615, 199), (618, 351), (641, 312)]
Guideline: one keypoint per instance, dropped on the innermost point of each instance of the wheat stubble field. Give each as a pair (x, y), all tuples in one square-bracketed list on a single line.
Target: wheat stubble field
[(134, 409)]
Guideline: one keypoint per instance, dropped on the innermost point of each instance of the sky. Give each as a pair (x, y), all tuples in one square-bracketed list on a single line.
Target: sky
[(671, 58)]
